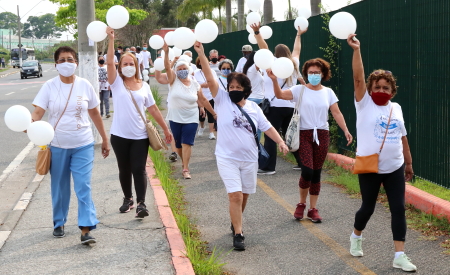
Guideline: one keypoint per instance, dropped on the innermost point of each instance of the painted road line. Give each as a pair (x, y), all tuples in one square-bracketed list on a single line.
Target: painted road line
[(23, 89), (22, 83), (24, 201), (9, 93), (341, 252), (3, 237), (38, 178), (17, 161)]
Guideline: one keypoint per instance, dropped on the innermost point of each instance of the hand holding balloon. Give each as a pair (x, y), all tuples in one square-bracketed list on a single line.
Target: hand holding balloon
[(110, 32), (165, 47), (271, 75), (353, 42), (199, 48), (300, 31), (255, 27)]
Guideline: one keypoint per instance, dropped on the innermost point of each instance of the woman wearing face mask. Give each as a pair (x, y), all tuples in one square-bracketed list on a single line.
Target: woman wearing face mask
[(129, 137), (376, 113), (236, 150), (70, 101), (185, 95), (281, 111), (104, 86), (317, 101)]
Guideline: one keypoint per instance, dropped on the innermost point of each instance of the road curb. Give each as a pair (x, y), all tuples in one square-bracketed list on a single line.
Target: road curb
[(181, 263), (419, 199), (3, 75)]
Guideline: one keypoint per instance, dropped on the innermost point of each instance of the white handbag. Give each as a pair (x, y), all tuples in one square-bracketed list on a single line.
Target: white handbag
[(292, 136)]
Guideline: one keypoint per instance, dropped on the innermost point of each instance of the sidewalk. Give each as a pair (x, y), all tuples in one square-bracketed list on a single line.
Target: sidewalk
[(125, 245), (9, 72), (277, 243)]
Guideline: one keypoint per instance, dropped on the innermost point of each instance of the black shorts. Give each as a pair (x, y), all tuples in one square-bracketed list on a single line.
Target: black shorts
[(208, 114)]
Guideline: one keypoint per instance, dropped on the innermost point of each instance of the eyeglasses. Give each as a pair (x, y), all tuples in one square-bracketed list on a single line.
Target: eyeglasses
[(62, 60), (314, 72), (378, 72)]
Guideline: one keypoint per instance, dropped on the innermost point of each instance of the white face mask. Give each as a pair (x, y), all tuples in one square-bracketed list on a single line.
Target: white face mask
[(66, 69), (129, 71)]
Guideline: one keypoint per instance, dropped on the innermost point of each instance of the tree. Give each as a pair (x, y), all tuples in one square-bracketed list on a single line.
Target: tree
[(190, 8), (315, 7), (136, 34), (289, 12), (228, 16), (268, 12), (241, 23), (8, 20), (42, 27)]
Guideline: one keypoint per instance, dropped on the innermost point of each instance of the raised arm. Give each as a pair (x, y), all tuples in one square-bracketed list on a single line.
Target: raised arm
[(286, 94), (298, 43), (261, 42), (167, 65), (161, 77), (210, 79), (358, 68), (112, 74)]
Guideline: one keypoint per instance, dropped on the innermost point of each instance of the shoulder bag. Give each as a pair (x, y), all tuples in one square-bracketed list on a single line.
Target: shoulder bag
[(263, 156), (155, 139), (265, 104), (44, 157), (292, 136), (369, 164)]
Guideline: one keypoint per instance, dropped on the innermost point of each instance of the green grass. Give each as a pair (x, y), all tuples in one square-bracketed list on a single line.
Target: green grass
[(158, 98), (434, 189), (2, 70)]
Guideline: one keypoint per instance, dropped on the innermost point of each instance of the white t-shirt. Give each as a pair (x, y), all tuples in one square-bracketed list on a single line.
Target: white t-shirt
[(257, 80), (200, 77), (215, 67), (104, 85), (371, 123), (127, 123), (74, 128), (145, 56), (235, 139), (222, 82), (270, 94), (183, 106), (193, 67), (115, 59), (241, 64)]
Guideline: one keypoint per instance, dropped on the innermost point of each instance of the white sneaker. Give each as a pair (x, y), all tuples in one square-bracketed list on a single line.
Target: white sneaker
[(200, 131), (404, 263), (212, 136), (356, 247)]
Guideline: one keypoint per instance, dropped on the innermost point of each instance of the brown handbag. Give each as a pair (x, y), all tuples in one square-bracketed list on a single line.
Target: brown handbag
[(369, 164), (156, 142), (44, 157)]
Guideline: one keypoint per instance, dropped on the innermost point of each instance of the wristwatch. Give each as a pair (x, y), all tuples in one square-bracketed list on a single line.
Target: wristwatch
[(257, 32)]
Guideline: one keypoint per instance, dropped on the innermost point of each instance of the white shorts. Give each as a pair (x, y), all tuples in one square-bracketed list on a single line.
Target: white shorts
[(238, 176)]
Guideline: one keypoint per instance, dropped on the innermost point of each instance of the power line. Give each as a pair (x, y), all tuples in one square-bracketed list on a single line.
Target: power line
[(23, 16)]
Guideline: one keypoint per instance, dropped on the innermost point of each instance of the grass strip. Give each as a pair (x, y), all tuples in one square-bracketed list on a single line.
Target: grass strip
[(432, 188)]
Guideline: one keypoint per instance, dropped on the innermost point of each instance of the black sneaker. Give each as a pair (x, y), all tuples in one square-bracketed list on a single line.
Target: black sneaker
[(238, 242), (59, 232), (141, 210), (296, 167), (265, 172), (128, 204), (173, 157), (87, 239)]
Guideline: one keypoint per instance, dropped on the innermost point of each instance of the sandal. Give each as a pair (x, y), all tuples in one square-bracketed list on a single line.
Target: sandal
[(186, 174)]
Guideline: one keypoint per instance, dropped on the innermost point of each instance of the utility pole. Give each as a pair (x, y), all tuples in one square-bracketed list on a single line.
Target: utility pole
[(10, 39), (87, 52), (20, 44)]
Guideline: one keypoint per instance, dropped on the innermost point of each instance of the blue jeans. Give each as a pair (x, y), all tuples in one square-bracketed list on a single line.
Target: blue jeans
[(257, 101), (104, 99), (77, 162)]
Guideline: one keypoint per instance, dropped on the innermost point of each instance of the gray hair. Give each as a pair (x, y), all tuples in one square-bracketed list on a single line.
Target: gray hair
[(213, 51), (228, 61)]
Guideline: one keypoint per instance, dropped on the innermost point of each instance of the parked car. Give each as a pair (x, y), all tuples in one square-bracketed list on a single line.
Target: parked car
[(30, 68)]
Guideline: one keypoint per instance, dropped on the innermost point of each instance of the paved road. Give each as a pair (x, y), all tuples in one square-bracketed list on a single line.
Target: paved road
[(277, 243)]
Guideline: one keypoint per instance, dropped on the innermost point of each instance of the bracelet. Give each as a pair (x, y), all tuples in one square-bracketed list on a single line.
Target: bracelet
[(257, 32)]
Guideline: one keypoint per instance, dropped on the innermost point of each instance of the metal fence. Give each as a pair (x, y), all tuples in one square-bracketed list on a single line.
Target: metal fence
[(408, 37)]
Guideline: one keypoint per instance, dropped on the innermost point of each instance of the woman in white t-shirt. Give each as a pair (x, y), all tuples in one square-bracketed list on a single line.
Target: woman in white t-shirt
[(129, 137), (185, 95), (70, 101), (236, 149), (376, 114), (280, 111)]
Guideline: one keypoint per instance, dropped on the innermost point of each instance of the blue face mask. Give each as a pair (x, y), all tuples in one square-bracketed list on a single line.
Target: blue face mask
[(314, 79), (182, 74), (144, 48), (226, 72)]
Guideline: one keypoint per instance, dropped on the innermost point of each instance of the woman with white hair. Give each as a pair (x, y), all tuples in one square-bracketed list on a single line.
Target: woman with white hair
[(185, 94), (193, 66)]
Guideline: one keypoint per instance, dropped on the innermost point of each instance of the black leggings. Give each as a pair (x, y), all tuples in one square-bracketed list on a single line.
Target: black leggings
[(131, 158), (394, 184)]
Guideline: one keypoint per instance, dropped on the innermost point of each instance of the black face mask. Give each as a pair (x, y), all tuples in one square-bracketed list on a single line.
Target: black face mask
[(236, 96), (101, 62), (247, 55), (214, 59)]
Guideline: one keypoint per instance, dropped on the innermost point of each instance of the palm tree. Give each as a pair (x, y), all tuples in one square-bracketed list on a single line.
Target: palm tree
[(241, 25), (315, 7), (228, 11), (219, 4), (268, 12), (289, 17)]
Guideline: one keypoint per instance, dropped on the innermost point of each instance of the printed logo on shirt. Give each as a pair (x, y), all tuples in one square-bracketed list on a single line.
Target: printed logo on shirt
[(394, 134), (78, 113), (240, 121)]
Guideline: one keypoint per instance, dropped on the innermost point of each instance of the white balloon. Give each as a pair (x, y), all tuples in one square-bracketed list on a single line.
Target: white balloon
[(206, 31), (301, 22), (117, 17), (253, 18), (249, 29), (146, 77), (266, 32), (152, 70), (185, 58), (171, 54), (304, 12), (283, 67), (176, 51), (264, 59), (96, 31), (169, 38), (254, 5), (342, 24), (159, 64), (145, 72), (40, 133), (252, 38), (17, 118), (183, 38), (156, 42)]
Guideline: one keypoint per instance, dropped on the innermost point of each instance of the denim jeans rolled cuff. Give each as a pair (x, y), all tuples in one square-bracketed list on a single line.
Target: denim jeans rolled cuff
[(104, 101)]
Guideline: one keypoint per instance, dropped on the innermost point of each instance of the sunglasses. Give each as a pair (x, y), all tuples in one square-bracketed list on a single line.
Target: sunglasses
[(378, 72)]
